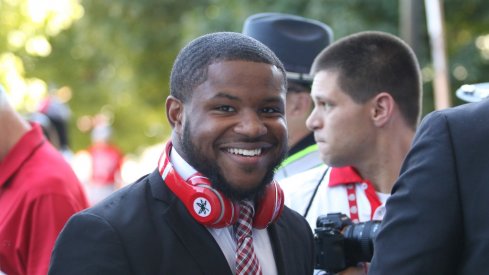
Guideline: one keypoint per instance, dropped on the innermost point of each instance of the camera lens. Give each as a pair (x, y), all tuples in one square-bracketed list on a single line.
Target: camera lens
[(359, 239)]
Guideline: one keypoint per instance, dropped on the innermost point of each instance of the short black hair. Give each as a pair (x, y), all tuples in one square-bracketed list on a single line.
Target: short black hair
[(191, 64), (372, 62)]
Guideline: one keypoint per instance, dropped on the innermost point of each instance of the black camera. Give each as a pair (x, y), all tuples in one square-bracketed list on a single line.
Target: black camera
[(340, 243)]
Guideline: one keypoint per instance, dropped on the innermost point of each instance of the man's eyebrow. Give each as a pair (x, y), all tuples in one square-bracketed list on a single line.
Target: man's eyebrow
[(225, 95), (273, 99), (235, 98), (320, 96)]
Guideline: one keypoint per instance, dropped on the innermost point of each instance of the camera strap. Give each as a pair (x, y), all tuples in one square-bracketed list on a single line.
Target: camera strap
[(315, 191)]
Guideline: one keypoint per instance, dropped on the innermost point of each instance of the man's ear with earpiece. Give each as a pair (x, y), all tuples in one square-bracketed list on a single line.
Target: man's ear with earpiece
[(300, 103)]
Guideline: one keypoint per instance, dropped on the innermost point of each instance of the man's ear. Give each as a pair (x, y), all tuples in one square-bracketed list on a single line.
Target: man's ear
[(174, 112), (300, 103), (383, 105)]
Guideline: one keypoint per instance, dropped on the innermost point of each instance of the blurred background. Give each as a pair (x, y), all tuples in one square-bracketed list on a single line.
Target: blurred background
[(113, 58)]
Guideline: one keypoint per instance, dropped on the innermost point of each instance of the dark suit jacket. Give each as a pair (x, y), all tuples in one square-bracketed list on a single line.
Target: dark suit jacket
[(145, 229), (437, 219)]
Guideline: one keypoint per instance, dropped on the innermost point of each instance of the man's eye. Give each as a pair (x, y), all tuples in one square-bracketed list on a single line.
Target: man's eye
[(325, 104), (271, 110), (226, 108)]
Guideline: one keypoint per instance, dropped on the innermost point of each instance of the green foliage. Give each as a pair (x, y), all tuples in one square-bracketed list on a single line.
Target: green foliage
[(118, 56), (468, 20)]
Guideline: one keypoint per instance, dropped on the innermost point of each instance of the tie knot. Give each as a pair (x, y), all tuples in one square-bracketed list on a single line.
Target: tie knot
[(246, 210)]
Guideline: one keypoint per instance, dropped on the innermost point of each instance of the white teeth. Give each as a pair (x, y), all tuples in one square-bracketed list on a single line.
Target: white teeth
[(244, 152)]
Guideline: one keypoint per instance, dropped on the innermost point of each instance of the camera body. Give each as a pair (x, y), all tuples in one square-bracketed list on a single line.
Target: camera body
[(340, 243)]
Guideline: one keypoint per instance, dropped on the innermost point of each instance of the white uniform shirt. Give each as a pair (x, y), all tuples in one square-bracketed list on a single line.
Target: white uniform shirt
[(304, 160), (225, 237), (299, 190)]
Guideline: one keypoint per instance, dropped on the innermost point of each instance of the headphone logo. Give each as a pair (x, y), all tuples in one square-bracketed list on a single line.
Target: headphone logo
[(202, 207)]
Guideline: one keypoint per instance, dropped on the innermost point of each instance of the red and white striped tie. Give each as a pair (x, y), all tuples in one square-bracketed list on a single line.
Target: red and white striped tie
[(246, 260)]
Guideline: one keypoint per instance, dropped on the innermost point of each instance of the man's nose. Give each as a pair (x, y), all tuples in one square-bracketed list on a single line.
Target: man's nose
[(251, 125), (312, 121)]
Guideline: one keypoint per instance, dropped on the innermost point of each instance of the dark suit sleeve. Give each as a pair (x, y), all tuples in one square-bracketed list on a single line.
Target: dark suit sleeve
[(423, 219), (88, 244)]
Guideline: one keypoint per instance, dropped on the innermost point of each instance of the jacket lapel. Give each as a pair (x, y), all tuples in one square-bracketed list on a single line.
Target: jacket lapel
[(276, 233), (200, 244)]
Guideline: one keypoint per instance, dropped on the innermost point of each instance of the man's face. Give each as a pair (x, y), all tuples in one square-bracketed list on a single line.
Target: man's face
[(233, 126), (297, 109), (342, 128)]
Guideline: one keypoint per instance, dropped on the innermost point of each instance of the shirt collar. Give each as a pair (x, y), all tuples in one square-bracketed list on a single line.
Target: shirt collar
[(344, 175), (21, 151), (182, 167)]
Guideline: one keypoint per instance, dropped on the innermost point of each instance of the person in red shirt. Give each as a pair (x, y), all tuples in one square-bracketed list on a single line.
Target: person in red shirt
[(106, 161), (38, 193)]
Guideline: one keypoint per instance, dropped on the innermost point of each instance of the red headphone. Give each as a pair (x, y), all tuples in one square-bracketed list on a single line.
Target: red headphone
[(209, 206)]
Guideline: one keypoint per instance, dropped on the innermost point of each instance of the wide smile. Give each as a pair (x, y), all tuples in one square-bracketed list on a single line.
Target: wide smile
[(245, 152)]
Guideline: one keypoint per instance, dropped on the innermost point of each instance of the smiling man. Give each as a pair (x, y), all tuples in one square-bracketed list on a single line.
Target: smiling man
[(212, 206)]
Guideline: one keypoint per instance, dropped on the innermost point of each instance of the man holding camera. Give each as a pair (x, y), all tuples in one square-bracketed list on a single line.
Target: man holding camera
[(366, 93)]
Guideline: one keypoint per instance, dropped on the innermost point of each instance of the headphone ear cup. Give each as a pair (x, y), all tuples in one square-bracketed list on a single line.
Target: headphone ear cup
[(269, 207), (229, 213), (225, 212), (204, 203), (201, 203)]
